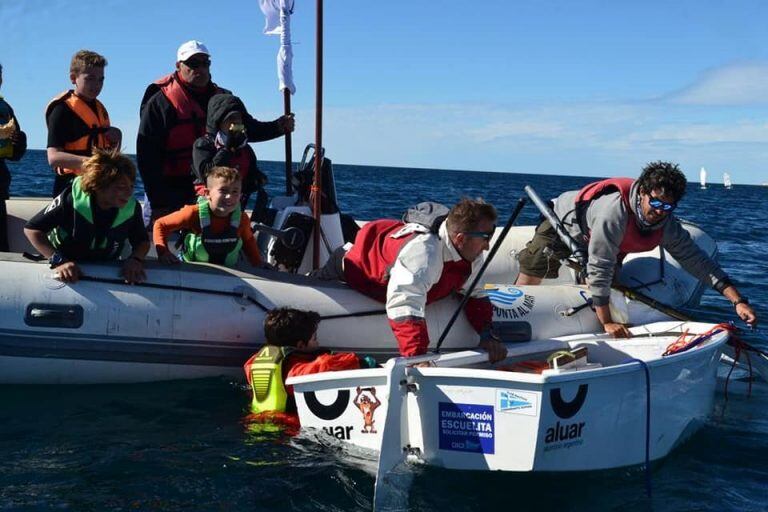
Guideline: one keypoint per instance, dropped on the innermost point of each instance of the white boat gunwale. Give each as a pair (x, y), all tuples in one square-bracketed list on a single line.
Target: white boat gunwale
[(713, 343)]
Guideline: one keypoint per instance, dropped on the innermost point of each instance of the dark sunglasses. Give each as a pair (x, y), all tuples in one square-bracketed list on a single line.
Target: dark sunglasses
[(485, 235), (658, 204), (197, 63)]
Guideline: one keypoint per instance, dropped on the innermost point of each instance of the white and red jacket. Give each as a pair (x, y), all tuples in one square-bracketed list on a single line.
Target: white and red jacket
[(407, 267)]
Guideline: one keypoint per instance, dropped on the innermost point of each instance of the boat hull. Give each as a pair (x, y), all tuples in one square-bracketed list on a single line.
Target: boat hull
[(198, 320), (482, 419)]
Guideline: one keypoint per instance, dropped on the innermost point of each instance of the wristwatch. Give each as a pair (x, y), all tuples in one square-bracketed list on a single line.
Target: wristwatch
[(56, 259), (742, 300)]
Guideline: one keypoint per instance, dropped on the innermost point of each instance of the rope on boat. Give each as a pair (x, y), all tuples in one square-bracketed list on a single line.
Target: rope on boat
[(648, 487)]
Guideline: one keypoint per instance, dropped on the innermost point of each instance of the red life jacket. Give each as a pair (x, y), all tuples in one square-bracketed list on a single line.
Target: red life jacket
[(368, 262), (635, 239), (242, 162), (190, 125)]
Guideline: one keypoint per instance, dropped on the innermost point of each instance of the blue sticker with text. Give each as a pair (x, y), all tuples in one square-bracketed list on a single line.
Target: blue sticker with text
[(466, 427)]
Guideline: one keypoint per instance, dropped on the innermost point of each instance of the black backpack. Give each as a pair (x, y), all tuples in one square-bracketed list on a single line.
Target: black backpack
[(429, 214)]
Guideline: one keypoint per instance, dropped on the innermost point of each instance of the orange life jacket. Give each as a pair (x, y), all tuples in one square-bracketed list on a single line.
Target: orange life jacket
[(97, 122)]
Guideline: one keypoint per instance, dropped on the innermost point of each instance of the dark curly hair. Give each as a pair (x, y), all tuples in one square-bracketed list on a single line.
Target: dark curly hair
[(665, 177), (286, 327)]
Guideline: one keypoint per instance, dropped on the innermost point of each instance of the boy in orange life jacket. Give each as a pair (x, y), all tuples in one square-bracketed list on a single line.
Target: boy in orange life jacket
[(77, 121), (295, 332), (217, 227)]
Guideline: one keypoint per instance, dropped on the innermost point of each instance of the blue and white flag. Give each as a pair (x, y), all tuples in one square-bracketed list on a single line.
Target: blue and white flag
[(278, 23)]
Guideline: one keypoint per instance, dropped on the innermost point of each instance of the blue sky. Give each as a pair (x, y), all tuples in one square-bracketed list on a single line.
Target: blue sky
[(588, 88)]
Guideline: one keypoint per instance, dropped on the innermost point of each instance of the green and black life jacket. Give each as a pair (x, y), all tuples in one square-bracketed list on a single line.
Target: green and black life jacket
[(264, 371), (86, 240), (219, 248)]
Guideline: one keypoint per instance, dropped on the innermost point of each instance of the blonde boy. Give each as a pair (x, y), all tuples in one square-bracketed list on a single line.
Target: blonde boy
[(217, 227), (77, 121)]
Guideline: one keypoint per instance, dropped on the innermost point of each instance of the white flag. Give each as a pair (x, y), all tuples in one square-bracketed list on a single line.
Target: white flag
[(278, 22)]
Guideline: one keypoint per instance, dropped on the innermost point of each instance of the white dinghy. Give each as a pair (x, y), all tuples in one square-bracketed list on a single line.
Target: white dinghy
[(462, 413)]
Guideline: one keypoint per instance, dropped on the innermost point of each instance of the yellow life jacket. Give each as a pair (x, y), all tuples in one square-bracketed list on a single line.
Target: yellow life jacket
[(264, 371)]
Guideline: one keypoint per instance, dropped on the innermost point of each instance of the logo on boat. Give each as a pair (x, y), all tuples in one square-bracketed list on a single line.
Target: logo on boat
[(517, 402), (565, 435), (330, 411), (509, 302), (565, 409), (466, 427), (367, 403)]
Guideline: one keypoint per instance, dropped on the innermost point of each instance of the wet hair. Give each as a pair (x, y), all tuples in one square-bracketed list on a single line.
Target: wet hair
[(228, 174), (86, 59), (104, 168), (467, 214), (288, 326), (665, 177)]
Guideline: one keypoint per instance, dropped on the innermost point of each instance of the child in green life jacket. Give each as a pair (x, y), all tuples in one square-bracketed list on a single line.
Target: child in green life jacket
[(218, 229)]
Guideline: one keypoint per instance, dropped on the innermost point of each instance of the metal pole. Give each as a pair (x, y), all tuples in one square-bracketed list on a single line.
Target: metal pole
[(317, 184), (494, 249), (288, 146)]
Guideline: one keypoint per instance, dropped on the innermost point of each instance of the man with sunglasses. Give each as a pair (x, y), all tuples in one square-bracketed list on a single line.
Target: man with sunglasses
[(408, 265), (618, 216), (173, 116)]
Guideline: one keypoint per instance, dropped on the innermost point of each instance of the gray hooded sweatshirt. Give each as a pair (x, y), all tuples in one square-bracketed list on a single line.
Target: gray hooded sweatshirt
[(606, 216)]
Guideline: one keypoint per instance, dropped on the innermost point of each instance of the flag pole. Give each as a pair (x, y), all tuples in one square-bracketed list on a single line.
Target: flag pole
[(285, 46), (317, 184), (288, 146)]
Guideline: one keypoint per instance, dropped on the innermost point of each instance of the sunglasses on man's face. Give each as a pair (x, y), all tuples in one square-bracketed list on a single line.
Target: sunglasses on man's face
[(197, 63), (485, 235), (658, 204)]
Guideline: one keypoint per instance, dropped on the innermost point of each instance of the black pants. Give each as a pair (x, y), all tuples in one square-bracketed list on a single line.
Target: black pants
[(3, 227)]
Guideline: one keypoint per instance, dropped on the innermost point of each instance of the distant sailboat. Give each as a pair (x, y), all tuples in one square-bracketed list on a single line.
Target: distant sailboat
[(727, 180), (703, 178)]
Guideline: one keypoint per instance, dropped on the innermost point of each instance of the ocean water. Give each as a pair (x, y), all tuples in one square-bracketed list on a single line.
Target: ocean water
[(183, 446)]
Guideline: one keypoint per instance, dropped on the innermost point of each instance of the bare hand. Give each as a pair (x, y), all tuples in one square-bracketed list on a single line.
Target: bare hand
[(133, 271), (746, 313), (15, 138), (616, 330), (496, 351), (168, 258), (69, 272), (287, 123), (114, 137)]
